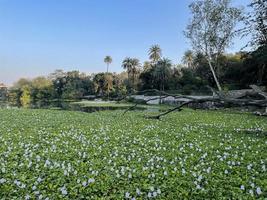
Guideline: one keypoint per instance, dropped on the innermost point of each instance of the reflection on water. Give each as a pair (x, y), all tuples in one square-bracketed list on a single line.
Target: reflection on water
[(67, 105)]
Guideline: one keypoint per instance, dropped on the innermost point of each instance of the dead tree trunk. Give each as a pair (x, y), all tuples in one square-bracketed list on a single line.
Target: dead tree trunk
[(219, 98)]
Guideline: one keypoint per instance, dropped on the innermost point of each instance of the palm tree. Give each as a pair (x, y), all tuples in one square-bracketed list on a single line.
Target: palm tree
[(127, 64), (135, 70), (147, 66), (132, 66), (188, 58), (162, 71), (155, 53), (108, 61)]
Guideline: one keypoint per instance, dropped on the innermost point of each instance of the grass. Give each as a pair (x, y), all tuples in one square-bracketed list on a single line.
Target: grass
[(49, 154)]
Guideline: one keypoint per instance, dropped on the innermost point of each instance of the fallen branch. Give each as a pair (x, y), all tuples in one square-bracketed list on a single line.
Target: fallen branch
[(219, 98)]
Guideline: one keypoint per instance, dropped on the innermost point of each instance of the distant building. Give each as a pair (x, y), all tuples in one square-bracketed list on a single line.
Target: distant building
[(3, 91)]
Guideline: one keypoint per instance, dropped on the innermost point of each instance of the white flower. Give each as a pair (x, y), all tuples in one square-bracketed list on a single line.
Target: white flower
[(84, 183), (130, 176), (127, 195), (64, 191), (226, 171), (91, 180), (155, 194), (258, 190), (165, 173), (27, 197), (39, 179), (138, 192), (2, 180), (149, 195), (158, 191), (242, 187)]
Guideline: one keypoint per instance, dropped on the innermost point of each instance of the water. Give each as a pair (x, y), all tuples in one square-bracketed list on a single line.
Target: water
[(68, 105)]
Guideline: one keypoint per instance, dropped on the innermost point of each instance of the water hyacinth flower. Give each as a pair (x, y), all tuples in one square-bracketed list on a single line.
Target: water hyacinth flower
[(27, 197), (91, 180), (64, 190), (138, 192), (249, 166), (158, 191), (198, 187), (39, 179), (258, 190), (152, 188), (84, 183), (242, 187), (2, 180), (127, 195)]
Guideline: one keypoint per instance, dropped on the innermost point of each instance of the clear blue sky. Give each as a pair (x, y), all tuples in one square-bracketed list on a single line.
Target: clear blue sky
[(39, 36)]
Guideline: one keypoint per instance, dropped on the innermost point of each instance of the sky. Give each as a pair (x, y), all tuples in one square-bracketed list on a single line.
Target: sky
[(40, 36)]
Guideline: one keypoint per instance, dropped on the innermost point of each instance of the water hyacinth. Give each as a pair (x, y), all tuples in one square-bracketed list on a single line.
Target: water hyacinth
[(48, 154)]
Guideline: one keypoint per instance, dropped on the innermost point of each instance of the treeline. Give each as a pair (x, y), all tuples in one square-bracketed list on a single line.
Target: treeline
[(236, 71)]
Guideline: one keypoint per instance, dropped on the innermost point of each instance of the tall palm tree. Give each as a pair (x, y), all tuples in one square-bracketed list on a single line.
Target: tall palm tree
[(188, 58), (108, 61), (155, 53)]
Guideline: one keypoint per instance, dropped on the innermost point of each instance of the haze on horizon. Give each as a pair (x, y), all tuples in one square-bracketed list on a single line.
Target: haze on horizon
[(38, 37)]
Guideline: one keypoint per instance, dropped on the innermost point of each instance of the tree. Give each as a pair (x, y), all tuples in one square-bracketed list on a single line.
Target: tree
[(162, 72), (108, 83), (132, 65), (127, 64), (135, 70), (99, 83), (147, 66), (256, 23), (108, 61), (212, 29), (25, 98), (188, 58), (155, 53), (256, 26)]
